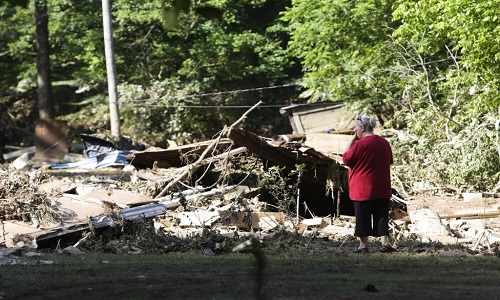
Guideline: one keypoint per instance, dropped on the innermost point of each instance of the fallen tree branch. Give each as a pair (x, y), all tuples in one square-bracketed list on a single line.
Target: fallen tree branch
[(194, 166), (207, 161)]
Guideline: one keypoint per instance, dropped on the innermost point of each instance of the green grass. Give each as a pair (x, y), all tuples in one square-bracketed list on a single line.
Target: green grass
[(293, 275)]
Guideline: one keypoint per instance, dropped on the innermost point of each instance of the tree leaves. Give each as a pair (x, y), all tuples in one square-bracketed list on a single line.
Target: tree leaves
[(411, 63), (429, 68)]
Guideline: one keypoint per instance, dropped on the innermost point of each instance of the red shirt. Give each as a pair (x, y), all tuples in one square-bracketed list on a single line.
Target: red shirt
[(369, 161)]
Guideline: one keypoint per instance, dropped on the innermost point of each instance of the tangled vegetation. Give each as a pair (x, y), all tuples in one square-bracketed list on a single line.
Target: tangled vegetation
[(20, 198)]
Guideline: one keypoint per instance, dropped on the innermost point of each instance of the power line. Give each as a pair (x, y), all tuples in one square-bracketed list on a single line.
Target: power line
[(141, 101), (131, 102), (207, 106)]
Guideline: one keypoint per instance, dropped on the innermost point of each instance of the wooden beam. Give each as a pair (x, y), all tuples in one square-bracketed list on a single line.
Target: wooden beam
[(317, 163), (166, 158), (472, 215), (259, 147)]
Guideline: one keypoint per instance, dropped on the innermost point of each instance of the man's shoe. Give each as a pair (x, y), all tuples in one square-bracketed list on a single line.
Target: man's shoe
[(360, 250), (388, 249)]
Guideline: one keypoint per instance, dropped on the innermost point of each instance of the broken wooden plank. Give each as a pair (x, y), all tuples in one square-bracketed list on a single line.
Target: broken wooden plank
[(328, 143), (199, 218), (11, 229), (121, 198), (21, 162), (316, 222), (293, 137), (259, 147), (318, 164), (76, 209), (51, 139), (56, 186), (174, 157), (206, 161), (472, 215), (209, 148)]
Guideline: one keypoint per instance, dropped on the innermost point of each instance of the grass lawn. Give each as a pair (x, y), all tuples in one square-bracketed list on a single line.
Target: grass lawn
[(290, 275)]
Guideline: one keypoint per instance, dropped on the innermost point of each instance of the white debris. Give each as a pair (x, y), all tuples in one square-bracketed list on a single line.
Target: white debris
[(427, 222)]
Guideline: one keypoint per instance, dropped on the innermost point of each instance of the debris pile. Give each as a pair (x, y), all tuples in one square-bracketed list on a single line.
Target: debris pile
[(232, 186), (209, 196)]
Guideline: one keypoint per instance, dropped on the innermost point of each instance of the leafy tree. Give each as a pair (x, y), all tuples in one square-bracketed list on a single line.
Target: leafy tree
[(412, 63), (426, 68), (215, 47), (463, 102), (469, 28), (345, 49), (44, 80)]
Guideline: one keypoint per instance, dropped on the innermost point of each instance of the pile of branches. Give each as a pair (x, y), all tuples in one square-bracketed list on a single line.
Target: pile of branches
[(21, 199)]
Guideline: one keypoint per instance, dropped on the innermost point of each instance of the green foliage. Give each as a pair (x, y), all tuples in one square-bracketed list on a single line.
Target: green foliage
[(429, 69), (469, 28), (160, 113), (411, 63), (469, 162), (344, 47), (202, 54), (452, 45), (216, 47), (283, 185), (16, 46)]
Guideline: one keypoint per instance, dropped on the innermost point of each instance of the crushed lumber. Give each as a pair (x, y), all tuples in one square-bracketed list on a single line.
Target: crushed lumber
[(319, 164), (209, 148), (174, 157)]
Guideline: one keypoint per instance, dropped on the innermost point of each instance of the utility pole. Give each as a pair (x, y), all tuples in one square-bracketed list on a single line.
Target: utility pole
[(114, 110)]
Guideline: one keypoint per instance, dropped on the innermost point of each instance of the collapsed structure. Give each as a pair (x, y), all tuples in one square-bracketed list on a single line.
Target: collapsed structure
[(238, 182)]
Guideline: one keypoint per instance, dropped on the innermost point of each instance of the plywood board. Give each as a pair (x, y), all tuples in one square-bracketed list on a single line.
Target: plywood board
[(57, 186), (51, 139), (120, 197), (328, 143), (12, 228), (76, 209)]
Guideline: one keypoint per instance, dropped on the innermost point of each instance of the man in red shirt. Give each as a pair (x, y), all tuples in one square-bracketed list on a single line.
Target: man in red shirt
[(369, 158)]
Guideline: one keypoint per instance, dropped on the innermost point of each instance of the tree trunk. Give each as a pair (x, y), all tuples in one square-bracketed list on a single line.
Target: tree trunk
[(45, 107)]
